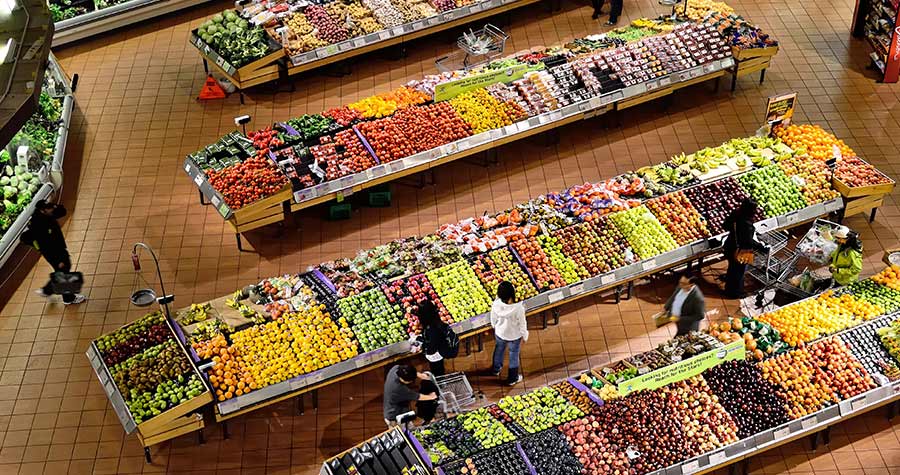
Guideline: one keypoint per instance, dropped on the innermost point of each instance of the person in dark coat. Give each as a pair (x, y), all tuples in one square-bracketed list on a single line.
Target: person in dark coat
[(741, 236), (615, 9), (434, 332), (686, 306), (45, 235)]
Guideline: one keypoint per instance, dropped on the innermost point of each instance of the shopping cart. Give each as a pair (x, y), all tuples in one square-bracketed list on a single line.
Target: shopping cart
[(476, 48), (455, 394), (791, 274)]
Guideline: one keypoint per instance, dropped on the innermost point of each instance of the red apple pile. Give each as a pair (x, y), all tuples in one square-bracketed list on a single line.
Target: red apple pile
[(538, 264), (705, 423), (855, 173), (599, 248), (499, 265), (679, 217), (409, 293), (838, 369)]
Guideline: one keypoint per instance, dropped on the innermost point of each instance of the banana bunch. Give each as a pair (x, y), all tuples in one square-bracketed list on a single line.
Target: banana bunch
[(197, 313)]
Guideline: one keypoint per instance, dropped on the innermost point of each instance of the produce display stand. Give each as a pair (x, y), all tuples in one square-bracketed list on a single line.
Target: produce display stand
[(751, 60), (813, 426), (272, 67), (863, 199), (478, 325), (57, 85), (174, 421), (95, 22), (387, 172)]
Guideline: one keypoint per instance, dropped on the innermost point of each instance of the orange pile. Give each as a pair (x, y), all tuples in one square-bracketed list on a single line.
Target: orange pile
[(812, 139), (889, 277), (229, 374)]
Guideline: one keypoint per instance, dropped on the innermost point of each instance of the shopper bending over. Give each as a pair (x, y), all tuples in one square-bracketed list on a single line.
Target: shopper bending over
[(687, 306), (438, 340), (45, 235), (399, 393), (739, 247), (846, 260), (510, 330)]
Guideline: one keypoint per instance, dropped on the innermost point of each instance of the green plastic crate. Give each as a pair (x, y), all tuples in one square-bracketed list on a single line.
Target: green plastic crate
[(380, 196), (339, 211)]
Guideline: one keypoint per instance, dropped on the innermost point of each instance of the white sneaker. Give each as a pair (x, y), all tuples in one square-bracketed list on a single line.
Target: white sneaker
[(78, 299)]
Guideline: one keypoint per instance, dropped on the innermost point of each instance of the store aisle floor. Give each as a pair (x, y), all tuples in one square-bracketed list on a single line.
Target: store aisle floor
[(136, 118)]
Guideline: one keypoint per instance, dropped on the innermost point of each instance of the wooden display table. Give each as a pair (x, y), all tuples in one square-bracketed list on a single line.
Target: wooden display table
[(862, 199), (748, 61)]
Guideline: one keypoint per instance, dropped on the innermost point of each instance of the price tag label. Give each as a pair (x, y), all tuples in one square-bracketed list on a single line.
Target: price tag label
[(396, 166), (314, 378), (369, 174), (449, 15), (576, 289), (187, 168), (510, 129), (651, 85), (331, 50), (782, 433), (377, 171), (359, 42), (845, 407), (451, 148), (433, 20), (607, 279), (464, 144), (298, 383), (708, 68), (595, 102), (665, 81), (690, 467), (554, 116), (523, 125), (648, 264), (198, 180), (859, 404), (475, 8), (717, 458), (555, 296), (543, 118), (215, 201), (397, 31), (347, 181), (496, 134), (384, 34)]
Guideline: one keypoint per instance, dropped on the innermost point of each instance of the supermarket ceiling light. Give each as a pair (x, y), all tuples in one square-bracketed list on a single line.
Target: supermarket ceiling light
[(8, 51)]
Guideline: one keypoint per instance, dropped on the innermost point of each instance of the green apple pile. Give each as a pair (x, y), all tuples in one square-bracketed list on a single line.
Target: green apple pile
[(167, 394), (460, 291), (499, 265), (487, 430), (870, 291), (570, 270), (643, 231), (375, 321), (540, 409), (775, 193)]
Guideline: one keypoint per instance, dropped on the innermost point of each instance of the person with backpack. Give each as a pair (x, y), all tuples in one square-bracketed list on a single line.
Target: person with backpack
[(439, 341), (45, 235), (510, 330)]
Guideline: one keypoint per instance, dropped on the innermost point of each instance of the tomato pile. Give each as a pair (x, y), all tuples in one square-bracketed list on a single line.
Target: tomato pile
[(342, 155), (247, 182), (265, 140), (414, 129)]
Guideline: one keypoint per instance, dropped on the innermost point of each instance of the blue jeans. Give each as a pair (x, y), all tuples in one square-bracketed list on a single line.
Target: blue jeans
[(500, 349)]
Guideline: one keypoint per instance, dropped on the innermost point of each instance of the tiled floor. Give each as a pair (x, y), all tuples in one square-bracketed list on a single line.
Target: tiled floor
[(136, 119)]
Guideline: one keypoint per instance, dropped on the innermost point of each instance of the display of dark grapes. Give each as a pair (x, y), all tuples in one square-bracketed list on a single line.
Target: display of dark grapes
[(549, 454), (716, 200), (753, 402), (865, 344), (502, 460)]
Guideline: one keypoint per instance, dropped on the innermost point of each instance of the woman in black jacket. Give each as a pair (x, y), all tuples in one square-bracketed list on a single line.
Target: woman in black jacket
[(45, 235), (434, 333), (741, 237)]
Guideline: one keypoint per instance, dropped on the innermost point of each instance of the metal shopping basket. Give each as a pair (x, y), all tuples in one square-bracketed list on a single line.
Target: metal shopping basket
[(770, 266), (455, 393)]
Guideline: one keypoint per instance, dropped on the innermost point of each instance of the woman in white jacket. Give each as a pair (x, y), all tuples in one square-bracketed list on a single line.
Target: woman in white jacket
[(510, 330)]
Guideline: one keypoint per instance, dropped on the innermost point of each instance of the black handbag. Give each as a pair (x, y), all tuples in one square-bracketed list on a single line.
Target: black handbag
[(66, 282)]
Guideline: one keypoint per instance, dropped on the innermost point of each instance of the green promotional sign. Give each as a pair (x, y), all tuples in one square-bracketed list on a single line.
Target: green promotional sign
[(449, 90), (685, 369)]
